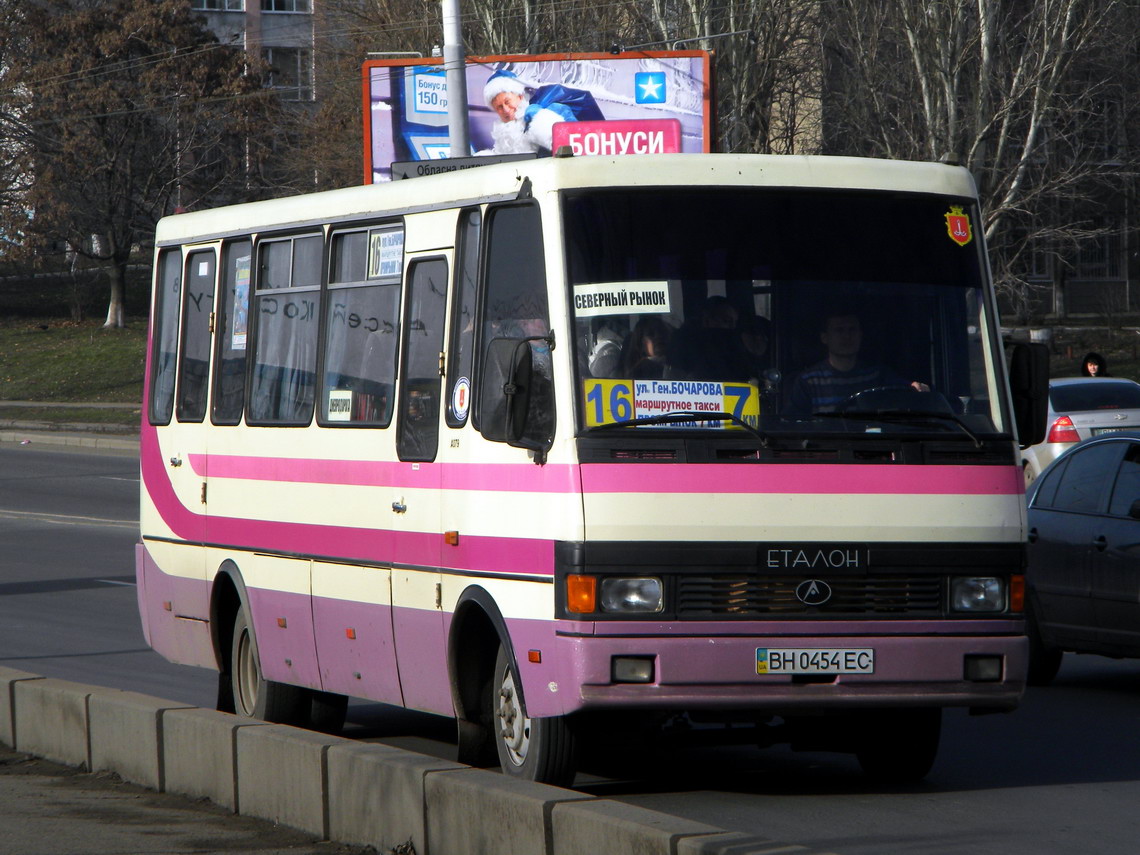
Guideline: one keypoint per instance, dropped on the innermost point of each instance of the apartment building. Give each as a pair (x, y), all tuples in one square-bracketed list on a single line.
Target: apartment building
[(280, 31)]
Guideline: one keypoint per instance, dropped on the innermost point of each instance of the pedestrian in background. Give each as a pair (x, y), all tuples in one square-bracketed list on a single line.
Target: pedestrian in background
[(1094, 365)]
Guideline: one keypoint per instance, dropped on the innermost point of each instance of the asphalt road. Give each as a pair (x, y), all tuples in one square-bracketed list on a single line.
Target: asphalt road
[(1059, 776)]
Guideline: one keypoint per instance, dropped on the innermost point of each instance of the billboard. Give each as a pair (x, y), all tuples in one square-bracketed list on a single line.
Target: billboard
[(597, 103)]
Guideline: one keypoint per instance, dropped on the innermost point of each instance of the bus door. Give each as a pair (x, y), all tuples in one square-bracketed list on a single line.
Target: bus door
[(352, 603), (185, 454), (172, 514), (416, 578)]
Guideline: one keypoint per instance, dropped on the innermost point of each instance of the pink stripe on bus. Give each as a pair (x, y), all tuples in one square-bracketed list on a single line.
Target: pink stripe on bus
[(504, 477), (384, 546), (817, 478), (813, 478)]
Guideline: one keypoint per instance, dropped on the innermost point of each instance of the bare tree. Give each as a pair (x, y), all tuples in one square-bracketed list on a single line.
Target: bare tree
[(128, 111), (13, 129), (768, 67), (1003, 86)]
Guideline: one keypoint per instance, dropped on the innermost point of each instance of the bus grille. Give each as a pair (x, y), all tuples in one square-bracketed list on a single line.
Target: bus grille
[(875, 596)]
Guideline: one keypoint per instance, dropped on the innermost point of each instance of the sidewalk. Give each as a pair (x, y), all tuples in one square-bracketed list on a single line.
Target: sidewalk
[(48, 809), (78, 434)]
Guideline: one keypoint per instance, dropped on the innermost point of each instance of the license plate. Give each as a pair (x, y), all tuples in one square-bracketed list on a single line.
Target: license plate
[(815, 660), (1099, 431)]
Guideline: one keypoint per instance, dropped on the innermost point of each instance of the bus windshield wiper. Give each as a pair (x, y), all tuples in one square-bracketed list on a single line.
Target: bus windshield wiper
[(903, 416), (685, 416)]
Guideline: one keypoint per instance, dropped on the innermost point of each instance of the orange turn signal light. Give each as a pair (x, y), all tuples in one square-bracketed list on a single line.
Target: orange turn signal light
[(581, 594), (1017, 593)]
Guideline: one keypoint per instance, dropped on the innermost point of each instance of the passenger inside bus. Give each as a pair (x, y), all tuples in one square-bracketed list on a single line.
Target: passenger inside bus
[(841, 375), (646, 349), (605, 352), (755, 335), (710, 349)]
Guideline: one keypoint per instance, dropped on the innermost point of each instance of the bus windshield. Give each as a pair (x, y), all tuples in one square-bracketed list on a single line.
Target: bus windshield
[(788, 310)]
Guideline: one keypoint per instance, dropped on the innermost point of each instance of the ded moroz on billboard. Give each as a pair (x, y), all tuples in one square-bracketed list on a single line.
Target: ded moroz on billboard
[(597, 103)]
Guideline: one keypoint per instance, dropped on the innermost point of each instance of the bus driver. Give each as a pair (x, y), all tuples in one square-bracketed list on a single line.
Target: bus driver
[(823, 387)]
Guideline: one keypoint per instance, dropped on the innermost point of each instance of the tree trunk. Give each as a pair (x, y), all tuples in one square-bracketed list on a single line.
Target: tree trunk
[(117, 308)]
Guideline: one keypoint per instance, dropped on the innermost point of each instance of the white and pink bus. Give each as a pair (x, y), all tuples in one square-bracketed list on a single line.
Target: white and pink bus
[(582, 446)]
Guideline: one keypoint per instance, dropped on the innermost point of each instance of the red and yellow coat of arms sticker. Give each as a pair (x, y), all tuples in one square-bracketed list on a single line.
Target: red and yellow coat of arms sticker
[(958, 226)]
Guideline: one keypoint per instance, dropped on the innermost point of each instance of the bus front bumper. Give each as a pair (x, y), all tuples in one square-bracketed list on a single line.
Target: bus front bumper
[(985, 672)]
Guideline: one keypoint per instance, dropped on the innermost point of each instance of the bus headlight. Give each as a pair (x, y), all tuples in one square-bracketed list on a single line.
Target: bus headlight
[(977, 594), (631, 594)]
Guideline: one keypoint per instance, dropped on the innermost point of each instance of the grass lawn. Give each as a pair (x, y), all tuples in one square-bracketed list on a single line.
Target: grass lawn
[(52, 360)]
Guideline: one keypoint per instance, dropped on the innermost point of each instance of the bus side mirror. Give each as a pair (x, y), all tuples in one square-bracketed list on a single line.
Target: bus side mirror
[(504, 390), (1029, 385)]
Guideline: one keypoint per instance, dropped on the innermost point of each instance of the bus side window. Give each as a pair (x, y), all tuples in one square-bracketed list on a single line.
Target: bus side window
[(194, 361), (515, 306), (233, 326), (282, 389), (417, 426), (362, 316), (461, 352), (162, 373)]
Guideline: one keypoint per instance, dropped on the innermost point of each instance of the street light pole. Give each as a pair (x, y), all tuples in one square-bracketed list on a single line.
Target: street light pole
[(455, 63)]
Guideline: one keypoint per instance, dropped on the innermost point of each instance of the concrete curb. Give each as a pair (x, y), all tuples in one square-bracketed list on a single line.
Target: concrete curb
[(74, 440), (335, 788)]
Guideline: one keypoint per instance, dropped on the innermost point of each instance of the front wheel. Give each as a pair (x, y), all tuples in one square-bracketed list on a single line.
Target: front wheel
[(898, 746), (253, 695), (534, 749)]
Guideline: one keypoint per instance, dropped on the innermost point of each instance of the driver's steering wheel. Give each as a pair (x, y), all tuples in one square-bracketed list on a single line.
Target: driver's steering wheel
[(895, 397)]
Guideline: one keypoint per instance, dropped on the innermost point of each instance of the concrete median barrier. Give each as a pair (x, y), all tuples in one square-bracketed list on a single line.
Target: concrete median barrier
[(476, 810), (126, 735), (334, 788), (738, 843), (51, 720), (376, 795), (608, 826), (200, 751), (8, 678), (282, 776)]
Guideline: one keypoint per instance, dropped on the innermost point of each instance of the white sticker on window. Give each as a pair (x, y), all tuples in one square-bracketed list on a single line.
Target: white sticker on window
[(385, 253), (621, 298), (340, 405)]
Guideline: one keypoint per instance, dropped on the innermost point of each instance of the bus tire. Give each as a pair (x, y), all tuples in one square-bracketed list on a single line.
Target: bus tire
[(327, 712), (254, 696), (898, 746), (534, 749)]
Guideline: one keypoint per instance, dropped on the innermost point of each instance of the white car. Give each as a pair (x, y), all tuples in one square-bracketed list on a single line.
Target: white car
[(1081, 407)]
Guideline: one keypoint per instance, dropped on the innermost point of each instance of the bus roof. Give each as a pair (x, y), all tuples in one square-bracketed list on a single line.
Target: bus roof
[(505, 180)]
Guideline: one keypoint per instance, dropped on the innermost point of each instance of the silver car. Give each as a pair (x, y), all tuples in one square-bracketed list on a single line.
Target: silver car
[(1079, 408)]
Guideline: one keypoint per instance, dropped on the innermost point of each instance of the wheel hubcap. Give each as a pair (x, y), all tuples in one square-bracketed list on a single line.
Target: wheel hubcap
[(514, 727), (246, 676)]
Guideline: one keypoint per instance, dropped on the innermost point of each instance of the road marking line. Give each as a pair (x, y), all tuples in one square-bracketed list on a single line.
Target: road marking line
[(63, 519)]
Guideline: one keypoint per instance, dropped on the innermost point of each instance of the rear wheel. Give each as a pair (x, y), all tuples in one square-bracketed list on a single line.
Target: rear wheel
[(535, 749), (898, 746), (253, 695), (327, 712)]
